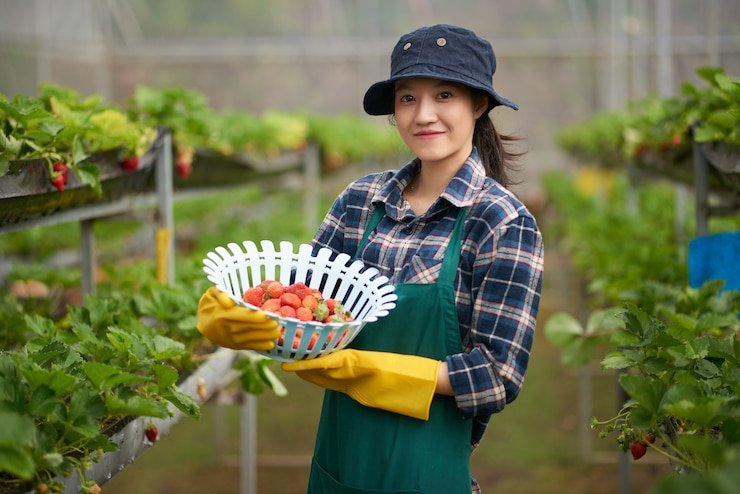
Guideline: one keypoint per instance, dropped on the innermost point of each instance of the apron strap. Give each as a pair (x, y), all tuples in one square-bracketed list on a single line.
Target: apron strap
[(451, 261), (378, 213)]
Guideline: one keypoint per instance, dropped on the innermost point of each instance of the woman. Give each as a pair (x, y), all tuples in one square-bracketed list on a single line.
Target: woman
[(411, 396)]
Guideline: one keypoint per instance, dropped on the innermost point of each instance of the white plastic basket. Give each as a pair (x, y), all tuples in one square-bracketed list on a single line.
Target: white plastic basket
[(360, 289)]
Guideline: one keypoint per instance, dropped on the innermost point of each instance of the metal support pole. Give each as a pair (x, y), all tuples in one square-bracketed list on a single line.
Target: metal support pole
[(701, 189), (165, 242), (248, 435), (87, 256), (664, 48), (311, 187)]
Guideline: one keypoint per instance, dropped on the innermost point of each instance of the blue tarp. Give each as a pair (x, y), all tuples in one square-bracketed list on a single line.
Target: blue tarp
[(713, 257)]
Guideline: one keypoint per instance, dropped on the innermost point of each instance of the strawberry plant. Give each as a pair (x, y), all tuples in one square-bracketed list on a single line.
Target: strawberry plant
[(657, 133), (66, 132), (679, 358), (715, 109), (69, 382), (674, 348)]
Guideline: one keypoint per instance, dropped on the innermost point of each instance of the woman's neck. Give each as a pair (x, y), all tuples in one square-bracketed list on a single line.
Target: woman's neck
[(430, 183)]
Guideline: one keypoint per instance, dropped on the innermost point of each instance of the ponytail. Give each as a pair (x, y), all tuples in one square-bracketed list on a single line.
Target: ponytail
[(493, 150)]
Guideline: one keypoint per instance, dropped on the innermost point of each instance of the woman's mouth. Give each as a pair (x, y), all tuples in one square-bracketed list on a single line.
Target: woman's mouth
[(428, 134)]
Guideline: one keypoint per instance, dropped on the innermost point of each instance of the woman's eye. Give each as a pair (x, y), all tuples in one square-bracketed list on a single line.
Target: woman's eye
[(406, 98), (445, 95)]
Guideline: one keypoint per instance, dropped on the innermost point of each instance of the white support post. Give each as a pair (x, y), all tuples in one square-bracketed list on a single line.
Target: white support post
[(87, 255), (248, 437)]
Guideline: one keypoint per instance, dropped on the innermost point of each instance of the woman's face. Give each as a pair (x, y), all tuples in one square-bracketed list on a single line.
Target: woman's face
[(436, 119)]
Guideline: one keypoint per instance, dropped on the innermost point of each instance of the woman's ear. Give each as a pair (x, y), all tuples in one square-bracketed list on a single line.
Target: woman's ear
[(480, 105)]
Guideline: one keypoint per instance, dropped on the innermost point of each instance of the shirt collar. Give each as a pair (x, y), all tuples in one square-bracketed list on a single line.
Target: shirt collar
[(460, 192)]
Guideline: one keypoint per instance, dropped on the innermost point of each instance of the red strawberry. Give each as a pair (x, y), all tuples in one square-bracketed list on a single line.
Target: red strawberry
[(254, 295), (331, 305), (131, 163), (310, 302), (61, 167), (287, 311), (304, 314), (271, 305), (650, 438), (275, 289), (152, 433), (183, 169), (312, 341), (291, 300), (296, 287), (638, 450), (58, 182), (184, 162)]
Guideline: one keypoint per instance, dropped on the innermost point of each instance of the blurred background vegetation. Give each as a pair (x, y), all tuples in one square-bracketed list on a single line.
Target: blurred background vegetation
[(563, 61)]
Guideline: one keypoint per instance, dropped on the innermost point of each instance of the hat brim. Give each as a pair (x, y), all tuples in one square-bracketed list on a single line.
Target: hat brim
[(379, 97)]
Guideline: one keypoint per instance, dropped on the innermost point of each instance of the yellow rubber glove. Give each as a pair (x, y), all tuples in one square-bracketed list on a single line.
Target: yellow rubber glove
[(394, 382), (225, 324)]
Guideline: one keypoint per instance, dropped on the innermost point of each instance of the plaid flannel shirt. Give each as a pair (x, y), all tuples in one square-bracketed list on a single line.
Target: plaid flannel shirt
[(499, 278)]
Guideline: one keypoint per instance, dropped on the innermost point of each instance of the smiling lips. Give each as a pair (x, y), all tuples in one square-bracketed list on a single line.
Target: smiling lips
[(427, 134)]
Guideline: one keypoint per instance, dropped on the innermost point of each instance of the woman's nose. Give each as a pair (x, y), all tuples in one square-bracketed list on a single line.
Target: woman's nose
[(425, 111)]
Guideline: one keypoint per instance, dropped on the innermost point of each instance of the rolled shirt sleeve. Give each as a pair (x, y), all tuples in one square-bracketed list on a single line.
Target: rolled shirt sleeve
[(508, 270)]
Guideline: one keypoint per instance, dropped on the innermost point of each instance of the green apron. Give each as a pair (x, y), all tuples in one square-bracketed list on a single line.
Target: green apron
[(367, 450)]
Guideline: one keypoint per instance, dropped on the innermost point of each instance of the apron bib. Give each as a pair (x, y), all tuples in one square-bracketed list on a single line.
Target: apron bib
[(362, 450)]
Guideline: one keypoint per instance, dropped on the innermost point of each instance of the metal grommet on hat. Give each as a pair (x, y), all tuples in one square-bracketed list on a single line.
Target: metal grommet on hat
[(407, 46), (441, 42)]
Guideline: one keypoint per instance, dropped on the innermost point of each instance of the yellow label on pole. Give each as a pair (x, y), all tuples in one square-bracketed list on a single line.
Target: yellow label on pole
[(162, 253)]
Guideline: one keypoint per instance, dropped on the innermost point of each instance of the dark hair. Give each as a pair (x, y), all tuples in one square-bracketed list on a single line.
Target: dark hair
[(493, 149)]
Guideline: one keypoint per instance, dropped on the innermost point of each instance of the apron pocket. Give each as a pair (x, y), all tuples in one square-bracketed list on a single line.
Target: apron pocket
[(322, 482)]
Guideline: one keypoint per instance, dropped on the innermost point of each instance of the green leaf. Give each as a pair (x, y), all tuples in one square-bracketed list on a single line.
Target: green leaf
[(268, 376), (135, 406), (163, 348), (105, 376), (185, 403), (697, 348), (17, 429), (700, 410), (706, 369), (90, 175), (647, 393), (580, 352), (166, 376), (16, 461), (723, 480), (562, 328), (78, 153), (121, 340), (642, 418), (43, 401), (85, 403), (605, 320), (616, 360)]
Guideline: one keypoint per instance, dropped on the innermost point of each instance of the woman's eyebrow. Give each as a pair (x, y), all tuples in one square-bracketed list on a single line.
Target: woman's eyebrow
[(405, 85)]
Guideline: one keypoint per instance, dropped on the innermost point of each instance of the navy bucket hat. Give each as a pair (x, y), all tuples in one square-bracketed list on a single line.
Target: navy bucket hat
[(444, 52)]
